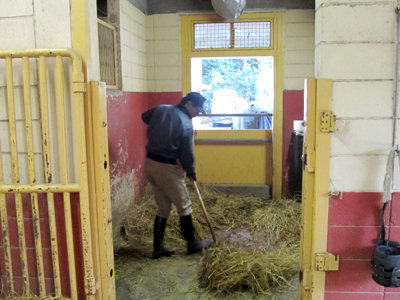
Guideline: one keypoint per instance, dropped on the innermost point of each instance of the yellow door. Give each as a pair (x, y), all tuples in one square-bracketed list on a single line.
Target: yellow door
[(319, 122)]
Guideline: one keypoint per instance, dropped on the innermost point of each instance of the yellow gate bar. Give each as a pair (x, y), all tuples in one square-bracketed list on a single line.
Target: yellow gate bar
[(6, 235), (15, 166), (40, 188), (61, 119), (45, 120), (6, 243), (54, 243), (38, 244), (70, 246), (64, 176), (32, 179)]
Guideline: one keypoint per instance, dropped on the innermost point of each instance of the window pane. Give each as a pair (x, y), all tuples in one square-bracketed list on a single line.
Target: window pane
[(212, 35), (234, 85), (252, 34)]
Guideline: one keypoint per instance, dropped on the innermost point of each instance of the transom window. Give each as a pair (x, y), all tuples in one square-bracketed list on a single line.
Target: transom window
[(232, 35)]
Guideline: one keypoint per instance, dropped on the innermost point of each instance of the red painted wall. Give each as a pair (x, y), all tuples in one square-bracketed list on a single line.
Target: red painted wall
[(127, 135), (156, 99), (353, 228)]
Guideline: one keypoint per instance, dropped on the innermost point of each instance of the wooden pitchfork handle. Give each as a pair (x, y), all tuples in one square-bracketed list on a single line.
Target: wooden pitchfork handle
[(204, 211)]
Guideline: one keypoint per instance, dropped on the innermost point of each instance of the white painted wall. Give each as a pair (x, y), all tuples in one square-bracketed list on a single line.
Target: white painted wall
[(133, 48), (298, 48), (355, 46)]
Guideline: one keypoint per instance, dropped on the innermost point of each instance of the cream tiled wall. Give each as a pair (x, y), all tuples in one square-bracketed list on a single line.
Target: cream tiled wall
[(133, 48), (298, 48), (355, 47), (163, 41)]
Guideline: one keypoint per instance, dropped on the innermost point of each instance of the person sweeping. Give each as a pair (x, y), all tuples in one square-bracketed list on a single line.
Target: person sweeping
[(170, 145)]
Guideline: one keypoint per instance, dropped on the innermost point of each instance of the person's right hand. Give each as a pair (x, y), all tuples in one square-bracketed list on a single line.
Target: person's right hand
[(192, 176)]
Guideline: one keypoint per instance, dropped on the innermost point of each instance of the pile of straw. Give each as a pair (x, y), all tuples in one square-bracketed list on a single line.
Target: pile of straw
[(225, 270)]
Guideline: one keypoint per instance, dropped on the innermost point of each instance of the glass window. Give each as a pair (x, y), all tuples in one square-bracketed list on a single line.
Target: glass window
[(234, 85)]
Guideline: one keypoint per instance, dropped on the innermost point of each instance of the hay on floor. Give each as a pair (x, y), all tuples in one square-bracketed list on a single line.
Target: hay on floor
[(225, 212), (270, 262), (226, 270), (278, 222)]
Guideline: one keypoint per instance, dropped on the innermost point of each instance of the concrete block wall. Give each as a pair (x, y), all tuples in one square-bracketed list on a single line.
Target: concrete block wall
[(356, 46), (133, 48), (164, 62), (298, 38), (361, 37)]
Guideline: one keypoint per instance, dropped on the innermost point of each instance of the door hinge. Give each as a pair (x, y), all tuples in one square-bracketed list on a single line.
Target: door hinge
[(326, 262), (327, 121)]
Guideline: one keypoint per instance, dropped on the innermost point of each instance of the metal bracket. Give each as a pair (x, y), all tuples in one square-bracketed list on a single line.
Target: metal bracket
[(327, 121), (336, 193), (326, 262)]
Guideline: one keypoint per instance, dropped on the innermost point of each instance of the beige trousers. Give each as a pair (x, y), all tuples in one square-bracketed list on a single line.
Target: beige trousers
[(168, 188)]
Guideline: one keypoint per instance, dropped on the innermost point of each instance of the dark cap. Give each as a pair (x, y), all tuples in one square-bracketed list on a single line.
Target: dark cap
[(197, 100)]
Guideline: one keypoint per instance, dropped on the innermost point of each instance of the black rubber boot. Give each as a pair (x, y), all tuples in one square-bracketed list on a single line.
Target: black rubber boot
[(187, 228), (159, 230)]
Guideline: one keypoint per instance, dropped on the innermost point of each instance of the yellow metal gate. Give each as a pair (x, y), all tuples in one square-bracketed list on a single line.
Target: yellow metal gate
[(55, 216)]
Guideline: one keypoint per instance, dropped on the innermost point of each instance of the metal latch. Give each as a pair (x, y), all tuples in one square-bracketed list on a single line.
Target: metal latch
[(309, 159), (326, 262), (327, 121)]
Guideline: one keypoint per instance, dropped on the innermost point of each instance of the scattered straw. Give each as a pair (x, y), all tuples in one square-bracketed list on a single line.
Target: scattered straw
[(226, 211), (224, 269), (278, 222)]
